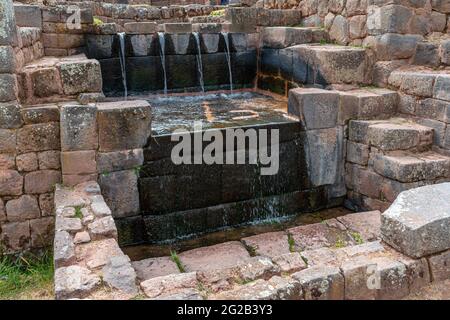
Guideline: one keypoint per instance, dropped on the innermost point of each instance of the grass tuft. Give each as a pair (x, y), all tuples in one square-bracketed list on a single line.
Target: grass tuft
[(291, 243), (176, 259), (26, 277), (78, 213), (357, 237)]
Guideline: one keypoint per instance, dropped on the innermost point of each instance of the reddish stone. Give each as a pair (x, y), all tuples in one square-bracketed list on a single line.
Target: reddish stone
[(270, 244), (78, 162), (27, 162), (38, 137), (23, 208), (365, 224), (11, 183), (43, 181), (154, 267), (15, 236), (7, 161), (46, 203), (42, 231), (220, 256), (49, 160), (96, 254)]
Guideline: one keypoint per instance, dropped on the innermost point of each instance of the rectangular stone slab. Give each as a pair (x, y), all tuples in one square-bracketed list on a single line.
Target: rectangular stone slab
[(418, 222)]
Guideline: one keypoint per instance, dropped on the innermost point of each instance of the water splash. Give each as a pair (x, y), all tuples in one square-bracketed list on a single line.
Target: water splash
[(162, 53), (122, 59), (199, 61), (228, 54)]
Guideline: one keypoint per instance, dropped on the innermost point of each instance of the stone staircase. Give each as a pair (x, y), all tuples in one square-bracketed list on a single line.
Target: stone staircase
[(385, 157), (339, 258), (52, 79)]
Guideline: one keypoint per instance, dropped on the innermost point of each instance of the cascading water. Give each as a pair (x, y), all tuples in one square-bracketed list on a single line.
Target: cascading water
[(162, 52), (199, 61), (228, 54), (122, 59)]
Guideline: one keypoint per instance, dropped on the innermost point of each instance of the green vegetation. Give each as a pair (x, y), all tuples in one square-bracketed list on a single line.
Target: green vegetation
[(176, 259), (357, 237), (340, 243), (291, 243), (26, 277), (137, 170), (97, 21), (217, 13), (252, 251), (78, 213)]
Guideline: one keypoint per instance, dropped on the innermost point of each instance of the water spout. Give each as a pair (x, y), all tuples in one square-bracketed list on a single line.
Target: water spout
[(162, 53), (199, 61), (228, 54), (122, 59)]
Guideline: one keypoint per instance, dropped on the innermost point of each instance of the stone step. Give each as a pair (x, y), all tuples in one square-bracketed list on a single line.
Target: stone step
[(432, 53), (422, 82), (326, 64), (58, 78), (283, 37), (391, 134), (406, 166)]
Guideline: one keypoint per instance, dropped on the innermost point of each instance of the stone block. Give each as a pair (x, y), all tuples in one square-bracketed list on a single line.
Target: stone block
[(8, 58), (41, 114), (141, 27), (24, 208), (96, 254), (339, 30), (442, 88), (15, 236), (42, 181), (46, 82), (46, 203), (221, 256), (388, 19), (283, 37), (103, 228), (64, 249), (49, 160), (441, 6), (315, 108), (322, 155), (42, 231), (8, 87), (176, 27), (391, 46), (75, 282), (365, 224), (11, 183), (121, 203), (205, 28), (8, 36), (78, 128), (81, 76), (418, 84), (270, 244), (81, 237), (290, 262), (417, 222), (321, 283), (357, 153), (170, 284), (28, 15), (38, 137), (7, 161), (123, 125), (440, 266), (383, 69), (119, 274), (154, 267), (78, 162), (10, 116), (63, 40), (427, 54), (27, 162), (444, 52), (119, 160), (8, 141)]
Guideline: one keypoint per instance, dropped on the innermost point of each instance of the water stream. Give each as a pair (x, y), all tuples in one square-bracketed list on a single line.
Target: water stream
[(199, 61), (162, 52), (122, 59), (228, 54)]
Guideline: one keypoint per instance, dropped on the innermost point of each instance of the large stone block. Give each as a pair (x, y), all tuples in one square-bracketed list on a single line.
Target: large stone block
[(28, 15), (418, 222), (123, 125), (40, 114), (8, 30), (322, 155), (321, 283), (42, 231), (11, 183), (339, 30), (38, 137), (78, 128), (81, 76), (121, 203), (8, 87), (42, 181), (10, 117), (445, 52), (75, 282), (119, 160), (15, 236), (78, 162), (282, 37), (388, 19), (442, 88), (23, 208), (391, 46), (440, 266), (8, 141), (315, 108), (8, 59)]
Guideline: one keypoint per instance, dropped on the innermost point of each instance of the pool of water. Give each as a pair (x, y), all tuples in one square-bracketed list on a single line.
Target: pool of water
[(144, 251), (218, 110)]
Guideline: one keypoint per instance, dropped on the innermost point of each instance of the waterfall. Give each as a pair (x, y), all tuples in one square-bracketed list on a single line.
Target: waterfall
[(162, 52), (122, 59), (199, 61), (227, 43)]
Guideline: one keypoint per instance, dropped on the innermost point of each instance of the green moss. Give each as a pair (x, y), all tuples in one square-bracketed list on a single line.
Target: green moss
[(291, 243), (357, 237), (217, 13), (176, 259), (78, 213), (97, 21), (340, 243)]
